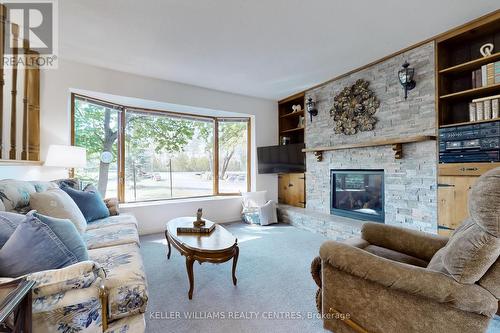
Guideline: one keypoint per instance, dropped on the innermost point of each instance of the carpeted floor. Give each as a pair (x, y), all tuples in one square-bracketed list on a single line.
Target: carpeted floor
[(273, 281)]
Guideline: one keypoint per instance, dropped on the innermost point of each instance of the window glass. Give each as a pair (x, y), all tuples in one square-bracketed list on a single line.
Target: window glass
[(233, 155), (96, 129), (167, 156)]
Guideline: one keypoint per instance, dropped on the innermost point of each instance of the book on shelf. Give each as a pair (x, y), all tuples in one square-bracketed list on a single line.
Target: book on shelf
[(497, 72), (477, 79), (490, 73), (484, 76), (479, 111), (190, 228), (486, 108), (487, 75), (494, 107), (472, 111)]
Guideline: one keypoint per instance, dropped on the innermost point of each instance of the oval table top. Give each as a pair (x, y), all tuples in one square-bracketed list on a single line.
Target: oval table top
[(218, 240)]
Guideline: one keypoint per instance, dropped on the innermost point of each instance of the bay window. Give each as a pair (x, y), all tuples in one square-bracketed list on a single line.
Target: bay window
[(141, 155)]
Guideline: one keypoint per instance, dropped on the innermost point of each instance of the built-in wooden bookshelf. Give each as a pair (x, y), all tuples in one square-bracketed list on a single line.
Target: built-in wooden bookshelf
[(291, 186), (292, 124), (457, 56)]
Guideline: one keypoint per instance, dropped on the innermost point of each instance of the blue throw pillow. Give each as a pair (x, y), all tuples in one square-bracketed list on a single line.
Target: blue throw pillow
[(90, 203), (33, 247), (66, 231), (8, 223)]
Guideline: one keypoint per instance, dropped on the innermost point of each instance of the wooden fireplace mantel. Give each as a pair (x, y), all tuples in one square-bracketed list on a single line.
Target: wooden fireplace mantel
[(397, 145)]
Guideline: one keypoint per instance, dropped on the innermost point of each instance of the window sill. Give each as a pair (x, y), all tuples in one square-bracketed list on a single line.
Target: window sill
[(176, 201)]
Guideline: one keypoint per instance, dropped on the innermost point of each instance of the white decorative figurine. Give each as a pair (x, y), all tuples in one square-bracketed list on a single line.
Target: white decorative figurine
[(486, 49)]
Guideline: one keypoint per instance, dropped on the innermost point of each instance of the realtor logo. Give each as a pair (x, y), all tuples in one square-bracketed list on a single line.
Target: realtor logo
[(30, 28)]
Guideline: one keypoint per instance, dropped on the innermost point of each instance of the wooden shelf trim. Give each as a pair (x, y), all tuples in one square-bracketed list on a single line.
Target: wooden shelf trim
[(19, 162), (292, 130), (374, 143), (395, 143), (472, 92), (469, 123), (293, 114), (473, 64), (299, 95)]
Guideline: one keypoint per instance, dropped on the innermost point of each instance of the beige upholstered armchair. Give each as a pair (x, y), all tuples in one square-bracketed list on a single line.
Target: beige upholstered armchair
[(399, 280)]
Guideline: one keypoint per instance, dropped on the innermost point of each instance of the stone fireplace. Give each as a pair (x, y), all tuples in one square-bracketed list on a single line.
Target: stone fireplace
[(405, 187), (357, 194), (409, 191)]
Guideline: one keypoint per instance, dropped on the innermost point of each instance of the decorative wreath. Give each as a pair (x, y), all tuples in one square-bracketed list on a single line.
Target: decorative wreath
[(354, 108)]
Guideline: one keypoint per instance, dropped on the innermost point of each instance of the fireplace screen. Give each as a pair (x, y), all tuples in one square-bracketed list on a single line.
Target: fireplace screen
[(358, 194)]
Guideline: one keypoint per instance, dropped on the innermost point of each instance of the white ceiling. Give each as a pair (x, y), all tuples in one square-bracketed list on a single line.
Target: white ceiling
[(262, 48)]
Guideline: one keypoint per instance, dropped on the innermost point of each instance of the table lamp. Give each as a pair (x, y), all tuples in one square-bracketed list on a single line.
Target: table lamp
[(66, 157)]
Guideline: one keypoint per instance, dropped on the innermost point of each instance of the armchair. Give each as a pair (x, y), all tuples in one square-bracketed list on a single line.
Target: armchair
[(257, 209), (399, 280)]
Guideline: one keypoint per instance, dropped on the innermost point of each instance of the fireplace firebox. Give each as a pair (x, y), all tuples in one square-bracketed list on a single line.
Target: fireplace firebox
[(358, 194)]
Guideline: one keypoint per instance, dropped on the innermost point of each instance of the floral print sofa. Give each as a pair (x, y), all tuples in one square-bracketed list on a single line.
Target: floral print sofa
[(108, 293)]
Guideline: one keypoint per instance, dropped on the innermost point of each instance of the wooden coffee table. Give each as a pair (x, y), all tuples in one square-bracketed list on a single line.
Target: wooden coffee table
[(217, 247)]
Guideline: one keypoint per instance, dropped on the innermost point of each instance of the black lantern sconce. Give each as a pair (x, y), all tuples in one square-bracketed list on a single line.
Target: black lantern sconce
[(405, 76), (311, 109)]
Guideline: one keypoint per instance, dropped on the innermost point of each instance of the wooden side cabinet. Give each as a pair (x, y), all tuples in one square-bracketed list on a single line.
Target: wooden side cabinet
[(454, 182), (291, 189), (453, 193)]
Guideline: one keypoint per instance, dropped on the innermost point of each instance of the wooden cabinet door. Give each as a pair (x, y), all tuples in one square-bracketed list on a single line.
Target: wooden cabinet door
[(283, 181), (296, 189), (291, 189), (453, 195)]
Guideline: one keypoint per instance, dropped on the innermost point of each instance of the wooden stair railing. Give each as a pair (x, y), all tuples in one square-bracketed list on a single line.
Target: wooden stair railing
[(24, 152), (30, 104), (13, 111), (33, 105)]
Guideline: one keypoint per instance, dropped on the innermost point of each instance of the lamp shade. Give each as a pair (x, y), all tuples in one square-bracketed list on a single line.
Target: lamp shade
[(66, 156)]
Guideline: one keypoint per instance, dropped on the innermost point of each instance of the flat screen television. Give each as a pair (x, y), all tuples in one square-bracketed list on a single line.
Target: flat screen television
[(281, 159)]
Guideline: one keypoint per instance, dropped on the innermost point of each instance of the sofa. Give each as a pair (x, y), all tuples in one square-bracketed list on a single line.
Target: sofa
[(107, 293), (393, 279)]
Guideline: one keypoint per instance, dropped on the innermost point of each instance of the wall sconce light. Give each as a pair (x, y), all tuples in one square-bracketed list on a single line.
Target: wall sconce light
[(313, 112), (405, 76)]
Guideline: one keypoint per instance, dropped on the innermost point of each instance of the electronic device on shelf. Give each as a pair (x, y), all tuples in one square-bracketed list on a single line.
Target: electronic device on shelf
[(470, 143)]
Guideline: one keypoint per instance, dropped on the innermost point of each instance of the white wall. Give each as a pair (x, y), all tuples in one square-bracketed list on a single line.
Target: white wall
[(152, 216), (56, 85)]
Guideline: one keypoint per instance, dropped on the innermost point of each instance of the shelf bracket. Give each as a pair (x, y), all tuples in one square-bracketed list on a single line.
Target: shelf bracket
[(398, 150), (319, 155)]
